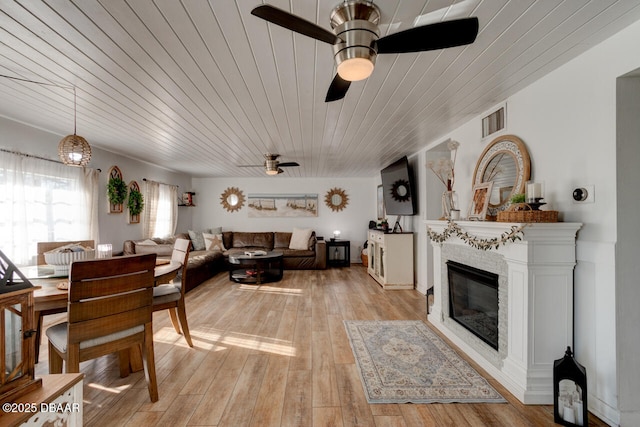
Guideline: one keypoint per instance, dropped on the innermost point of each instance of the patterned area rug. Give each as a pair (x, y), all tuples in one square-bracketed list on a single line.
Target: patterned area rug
[(403, 361)]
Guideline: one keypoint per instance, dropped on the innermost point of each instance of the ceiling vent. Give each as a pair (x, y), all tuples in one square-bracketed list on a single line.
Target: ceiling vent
[(494, 122)]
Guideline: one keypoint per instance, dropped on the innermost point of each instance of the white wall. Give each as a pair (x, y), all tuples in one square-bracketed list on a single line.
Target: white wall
[(568, 122), (114, 228), (352, 221)]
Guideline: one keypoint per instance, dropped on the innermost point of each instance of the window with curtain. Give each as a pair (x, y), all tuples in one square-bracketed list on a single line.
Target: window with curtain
[(160, 216), (44, 201)]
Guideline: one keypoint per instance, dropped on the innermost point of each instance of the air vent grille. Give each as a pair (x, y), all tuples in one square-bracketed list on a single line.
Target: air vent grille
[(494, 122)]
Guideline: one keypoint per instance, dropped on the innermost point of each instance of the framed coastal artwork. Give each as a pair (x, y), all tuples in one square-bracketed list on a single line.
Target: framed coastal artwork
[(282, 205)]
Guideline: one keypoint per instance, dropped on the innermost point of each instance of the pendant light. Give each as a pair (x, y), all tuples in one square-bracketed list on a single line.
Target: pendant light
[(74, 150)]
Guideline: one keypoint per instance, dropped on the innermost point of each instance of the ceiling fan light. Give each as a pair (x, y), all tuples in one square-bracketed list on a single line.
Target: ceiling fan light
[(272, 171), (354, 69), (74, 150)]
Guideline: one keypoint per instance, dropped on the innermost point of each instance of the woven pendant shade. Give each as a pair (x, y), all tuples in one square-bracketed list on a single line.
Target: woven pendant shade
[(74, 150)]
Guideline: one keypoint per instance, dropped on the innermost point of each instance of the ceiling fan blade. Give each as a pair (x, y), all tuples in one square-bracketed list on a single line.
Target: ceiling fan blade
[(287, 164), (338, 89), (294, 23), (431, 37)]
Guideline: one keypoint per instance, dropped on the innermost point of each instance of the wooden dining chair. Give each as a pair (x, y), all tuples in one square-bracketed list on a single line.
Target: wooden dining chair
[(109, 310), (170, 296), (41, 248)]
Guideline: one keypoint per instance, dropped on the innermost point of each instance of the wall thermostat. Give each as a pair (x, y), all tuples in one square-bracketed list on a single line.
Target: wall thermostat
[(583, 194), (580, 194)]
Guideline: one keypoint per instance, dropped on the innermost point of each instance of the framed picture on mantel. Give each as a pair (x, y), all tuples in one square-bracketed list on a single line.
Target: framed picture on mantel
[(480, 201)]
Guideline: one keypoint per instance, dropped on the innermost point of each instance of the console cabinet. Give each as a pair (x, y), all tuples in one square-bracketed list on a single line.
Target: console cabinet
[(391, 259)]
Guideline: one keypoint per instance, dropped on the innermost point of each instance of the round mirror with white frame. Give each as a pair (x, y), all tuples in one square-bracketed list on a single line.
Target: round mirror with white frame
[(506, 162)]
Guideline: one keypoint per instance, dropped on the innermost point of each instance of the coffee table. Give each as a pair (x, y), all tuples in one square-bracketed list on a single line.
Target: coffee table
[(256, 269)]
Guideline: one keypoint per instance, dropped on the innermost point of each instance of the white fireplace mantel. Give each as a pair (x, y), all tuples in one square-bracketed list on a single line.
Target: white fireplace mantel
[(539, 302)]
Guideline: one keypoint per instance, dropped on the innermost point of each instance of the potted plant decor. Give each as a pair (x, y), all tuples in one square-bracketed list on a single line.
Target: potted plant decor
[(518, 198)]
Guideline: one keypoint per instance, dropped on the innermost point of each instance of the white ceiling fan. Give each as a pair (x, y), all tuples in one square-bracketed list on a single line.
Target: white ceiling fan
[(271, 164)]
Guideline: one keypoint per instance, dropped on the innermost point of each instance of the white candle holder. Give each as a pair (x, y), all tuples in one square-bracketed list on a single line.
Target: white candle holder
[(104, 250)]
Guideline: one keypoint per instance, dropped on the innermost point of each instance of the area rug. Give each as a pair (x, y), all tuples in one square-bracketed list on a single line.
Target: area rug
[(403, 361)]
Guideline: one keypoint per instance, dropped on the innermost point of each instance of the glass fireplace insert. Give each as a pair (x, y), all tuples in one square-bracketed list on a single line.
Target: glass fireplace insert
[(473, 300)]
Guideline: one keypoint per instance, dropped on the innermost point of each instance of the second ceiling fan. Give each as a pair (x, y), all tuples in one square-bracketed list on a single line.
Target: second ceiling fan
[(271, 164), (356, 43)]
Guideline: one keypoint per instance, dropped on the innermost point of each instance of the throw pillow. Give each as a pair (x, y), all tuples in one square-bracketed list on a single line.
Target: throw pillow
[(197, 239), (300, 238), (213, 242)]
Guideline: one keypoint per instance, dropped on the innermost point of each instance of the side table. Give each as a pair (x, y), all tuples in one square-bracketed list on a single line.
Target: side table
[(338, 253)]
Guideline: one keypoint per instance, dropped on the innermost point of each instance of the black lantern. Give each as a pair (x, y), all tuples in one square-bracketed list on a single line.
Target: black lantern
[(569, 391)]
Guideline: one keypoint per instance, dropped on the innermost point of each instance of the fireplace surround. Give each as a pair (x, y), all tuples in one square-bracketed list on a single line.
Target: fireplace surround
[(535, 301)]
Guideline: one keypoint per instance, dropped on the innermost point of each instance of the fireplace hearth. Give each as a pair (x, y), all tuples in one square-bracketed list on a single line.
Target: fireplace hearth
[(473, 300)]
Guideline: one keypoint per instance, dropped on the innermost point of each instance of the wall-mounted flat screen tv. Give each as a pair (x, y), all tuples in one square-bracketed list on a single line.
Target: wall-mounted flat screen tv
[(399, 189)]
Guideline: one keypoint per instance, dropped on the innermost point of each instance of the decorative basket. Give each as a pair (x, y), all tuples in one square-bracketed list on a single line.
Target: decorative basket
[(62, 260), (523, 212)]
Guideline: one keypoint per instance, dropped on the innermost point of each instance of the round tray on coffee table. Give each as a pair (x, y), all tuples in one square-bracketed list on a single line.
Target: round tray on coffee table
[(256, 269)]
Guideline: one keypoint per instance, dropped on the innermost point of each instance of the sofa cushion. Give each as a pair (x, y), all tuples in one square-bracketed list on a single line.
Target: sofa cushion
[(146, 242), (281, 239), (198, 258), (297, 252), (263, 240), (161, 250), (300, 238), (227, 239)]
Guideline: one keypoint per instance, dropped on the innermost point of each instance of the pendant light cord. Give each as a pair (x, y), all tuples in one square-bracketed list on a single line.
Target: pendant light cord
[(20, 79), (74, 110)]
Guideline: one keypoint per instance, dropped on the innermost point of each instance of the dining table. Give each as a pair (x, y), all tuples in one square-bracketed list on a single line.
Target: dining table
[(51, 296)]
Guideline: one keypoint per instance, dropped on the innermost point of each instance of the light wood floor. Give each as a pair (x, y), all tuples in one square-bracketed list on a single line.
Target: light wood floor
[(276, 355)]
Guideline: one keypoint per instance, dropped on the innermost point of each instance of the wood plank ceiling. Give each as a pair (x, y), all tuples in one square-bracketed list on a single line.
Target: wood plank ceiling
[(203, 86)]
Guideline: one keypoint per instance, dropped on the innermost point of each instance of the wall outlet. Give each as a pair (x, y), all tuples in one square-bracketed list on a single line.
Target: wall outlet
[(584, 194)]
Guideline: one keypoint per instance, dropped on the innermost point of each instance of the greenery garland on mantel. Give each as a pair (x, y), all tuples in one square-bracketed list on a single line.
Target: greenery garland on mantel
[(515, 233)]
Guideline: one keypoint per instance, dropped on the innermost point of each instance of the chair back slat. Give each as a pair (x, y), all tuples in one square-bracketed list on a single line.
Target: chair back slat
[(95, 308), (100, 327), (180, 250), (102, 277)]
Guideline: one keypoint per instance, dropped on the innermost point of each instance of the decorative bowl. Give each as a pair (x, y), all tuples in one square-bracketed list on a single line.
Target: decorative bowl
[(62, 260)]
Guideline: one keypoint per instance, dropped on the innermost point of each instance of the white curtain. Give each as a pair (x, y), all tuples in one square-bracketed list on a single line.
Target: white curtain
[(160, 215), (44, 201)]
